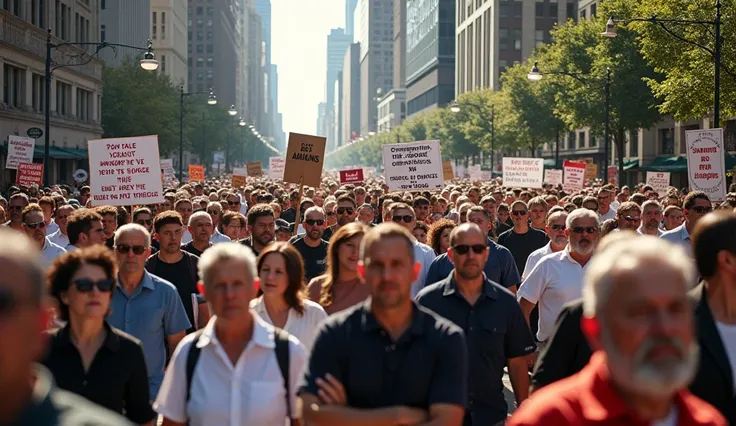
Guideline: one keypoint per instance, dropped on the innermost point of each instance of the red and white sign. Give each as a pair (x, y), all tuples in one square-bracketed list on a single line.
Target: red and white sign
[(706, 170), (553, 177), (29, 174), (523, 172), (125, 171), (574, 176), (20, 150), (351, 176)]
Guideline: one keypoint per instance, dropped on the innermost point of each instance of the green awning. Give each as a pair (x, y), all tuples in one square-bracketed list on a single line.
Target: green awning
[(663, 163), (550, 163), (56, 153), (631, 163)]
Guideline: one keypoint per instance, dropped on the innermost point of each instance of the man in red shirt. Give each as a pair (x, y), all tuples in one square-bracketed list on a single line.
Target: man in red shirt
[(638, 318)]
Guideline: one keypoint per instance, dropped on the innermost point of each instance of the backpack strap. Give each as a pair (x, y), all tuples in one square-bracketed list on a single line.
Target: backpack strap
[(282, 357), (192, 358)]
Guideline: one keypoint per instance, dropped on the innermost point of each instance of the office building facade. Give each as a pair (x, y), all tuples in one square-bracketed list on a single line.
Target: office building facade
[(169, 38), (337, 45), (124, 22), (351, 95)]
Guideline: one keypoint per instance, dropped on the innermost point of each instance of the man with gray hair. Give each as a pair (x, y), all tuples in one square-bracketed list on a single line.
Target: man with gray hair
[(638, 318), (143, 305), (200, 229), (311, 245), (27, 390), (558, 277), (651, 217)]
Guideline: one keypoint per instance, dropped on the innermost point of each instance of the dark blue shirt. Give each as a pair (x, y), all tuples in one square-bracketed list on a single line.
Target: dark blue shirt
[(495, 330), (500, 267)]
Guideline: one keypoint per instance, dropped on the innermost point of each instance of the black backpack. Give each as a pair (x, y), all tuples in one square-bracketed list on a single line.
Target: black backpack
[(282, 357)]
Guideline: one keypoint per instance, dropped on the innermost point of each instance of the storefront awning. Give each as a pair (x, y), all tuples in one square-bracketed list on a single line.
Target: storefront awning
[(56, 153), (676, 164)]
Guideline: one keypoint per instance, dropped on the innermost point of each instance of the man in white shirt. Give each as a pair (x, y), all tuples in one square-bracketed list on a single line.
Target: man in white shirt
[(651, 217), (605, 209), (185, 208), (34, 226), (214, 209), (696, 205), (558, 277), (60, 237), (48, 205), (557, 240)]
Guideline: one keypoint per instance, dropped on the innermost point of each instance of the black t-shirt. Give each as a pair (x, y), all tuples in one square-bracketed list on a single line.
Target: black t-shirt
[(183, 274), (288, 215), (522, 245), (189, 248), (315, 258)]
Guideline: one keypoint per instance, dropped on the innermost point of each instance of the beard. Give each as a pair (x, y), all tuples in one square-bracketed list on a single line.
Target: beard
[(315, 234), (469, 273), (652, 378), (560, 240), (577, 247)]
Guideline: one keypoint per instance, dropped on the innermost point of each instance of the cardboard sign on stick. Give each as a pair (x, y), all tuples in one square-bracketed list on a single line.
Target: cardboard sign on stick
[(196, 173), (276, 168), (254, 168), (304, 159), (447, 172)]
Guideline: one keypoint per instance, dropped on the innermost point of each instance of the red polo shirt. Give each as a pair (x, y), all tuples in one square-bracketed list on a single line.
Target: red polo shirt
[(589, 398)]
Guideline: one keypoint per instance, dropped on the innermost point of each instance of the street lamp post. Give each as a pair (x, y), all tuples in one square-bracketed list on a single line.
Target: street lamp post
[(148, 63), (233, 112), (211, 100), (242, 125), (455, 108)]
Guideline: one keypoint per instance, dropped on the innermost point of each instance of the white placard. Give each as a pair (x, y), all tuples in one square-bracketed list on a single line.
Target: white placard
[(574, 176), (125, 171), (553, 177), (523, 172), (369, 171), (240, 171), (413, 166), (706, 170), (167, 165), (660, 181), (276, 168), (20, 150)]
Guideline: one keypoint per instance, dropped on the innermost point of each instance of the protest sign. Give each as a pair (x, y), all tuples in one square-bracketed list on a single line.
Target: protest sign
[(413, 166), (351, 176), (613, 175), (20, 150), (474, 172), (29, 174), (369, 171), (254, 168), (196, 173), (660, 181), (447, 172), (553, 177), (705, 163), (125, 171), (523, 172), (276, 168), (238, 179), (218, 157), (167, 165), (574, 176), (304, 159)]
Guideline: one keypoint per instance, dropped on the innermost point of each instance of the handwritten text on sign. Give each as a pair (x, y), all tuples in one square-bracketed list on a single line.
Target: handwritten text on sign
[(20, 150), (574, 176), (276, 168), (705, 163), (553, 177), (351, 176), (29, 174), (523, 172), (125, 171), (660, 181), (413, 166)]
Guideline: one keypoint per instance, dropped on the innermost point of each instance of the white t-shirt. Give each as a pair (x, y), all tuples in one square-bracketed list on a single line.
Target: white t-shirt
[(610, 214), (670, 420), (728, 337), (302, 327), (535, 257)]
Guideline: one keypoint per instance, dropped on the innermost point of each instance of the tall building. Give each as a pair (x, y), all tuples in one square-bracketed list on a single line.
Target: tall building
[(337, 45), (169, 38), (489, 38), (376, 30), (337, 113), (350, 115), (263, 9), (255, 89), (75, 96), (123, 22), (322, 119), (587, 8), (400, 42), (350, 6), (430, 54)]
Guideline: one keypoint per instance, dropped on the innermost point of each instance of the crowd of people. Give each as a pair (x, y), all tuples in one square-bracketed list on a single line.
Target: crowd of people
[(356, 305)]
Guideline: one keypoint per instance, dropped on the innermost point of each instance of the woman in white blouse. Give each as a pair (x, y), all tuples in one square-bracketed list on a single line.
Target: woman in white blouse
[(282, 300)]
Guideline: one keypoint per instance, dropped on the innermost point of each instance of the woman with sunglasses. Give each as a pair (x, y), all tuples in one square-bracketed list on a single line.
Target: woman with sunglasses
[(87, 356), (281, 300), (341, 288)]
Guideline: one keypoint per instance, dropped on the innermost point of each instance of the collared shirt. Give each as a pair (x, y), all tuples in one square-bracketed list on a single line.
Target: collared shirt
[(50, 405), (495, 330), (640, 231), (59, 239), (590, 397), (218, 237), (500, 267), (51, 228), (49, 252), (71, 247), (425, 255), (427, 365), (116, 378), (251, 392), (534, 258), (153, 312), (304, 327), (681, 237), (611, 214), (556, 280)]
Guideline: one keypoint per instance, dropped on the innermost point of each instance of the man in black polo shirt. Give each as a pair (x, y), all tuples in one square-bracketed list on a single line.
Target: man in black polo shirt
[(392, 361), (495, 328), (311, 245)]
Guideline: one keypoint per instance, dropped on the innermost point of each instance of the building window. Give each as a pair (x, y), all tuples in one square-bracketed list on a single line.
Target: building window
[(63, 99), (581, 139), (516, 33), (572, 141), (503, 43), (13, 86), (200, 62), (199, 10), (538, 37), (582, 15), (553, 9), (210, 10), (163, 25), (209, 22), (503, 9), (209, 35), (153, 22), (667, 141), (200, 36), (163, 63), (571, 9), (102, 4), (593, 141), (210, 48), (200, 48), (16, 8), (103, 33), (84, 105), (540, 8), (634, 144), (593, 10), (210, 61), (38, 92)]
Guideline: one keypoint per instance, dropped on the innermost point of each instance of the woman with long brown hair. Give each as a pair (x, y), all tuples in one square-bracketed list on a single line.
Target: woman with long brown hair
[(282, 300), (340, 287)]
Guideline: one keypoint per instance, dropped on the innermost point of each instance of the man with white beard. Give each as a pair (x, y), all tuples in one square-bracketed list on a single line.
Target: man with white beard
[(639, 320), (558, 277)]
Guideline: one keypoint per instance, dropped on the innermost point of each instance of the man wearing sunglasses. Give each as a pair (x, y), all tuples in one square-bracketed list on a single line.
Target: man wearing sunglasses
[(494, 326), (522, 240), (145, 306), (214, 209), (346, 211), (17, 203), (605, 209), (311, 245), (558, 278), (628, 216), (34, 226), (696, 205), (557, 240), (144, 217)]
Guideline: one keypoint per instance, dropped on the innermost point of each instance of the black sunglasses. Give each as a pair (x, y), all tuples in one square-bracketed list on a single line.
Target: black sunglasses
[(234, 203), (125, 249), (348, 210), (35, 225), (519, 212), (312, 222), (332, 213), (586, 229), (632, 218), (463, 249), (85, 285), (701, 209), (144, 221), (407, 218), (214, 212), (557, 227)]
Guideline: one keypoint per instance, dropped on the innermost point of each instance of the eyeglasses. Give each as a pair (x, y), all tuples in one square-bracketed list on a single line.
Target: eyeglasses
[(632, 218), (463, 249), (85, 285), (144, 221), (233, 203), (407, 218), (557, 227), (342, 210), (125, 249), (332, 213), (519, 212), (312, 222), (36, 225), (701, 209), (586, 229), (214, 212)]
